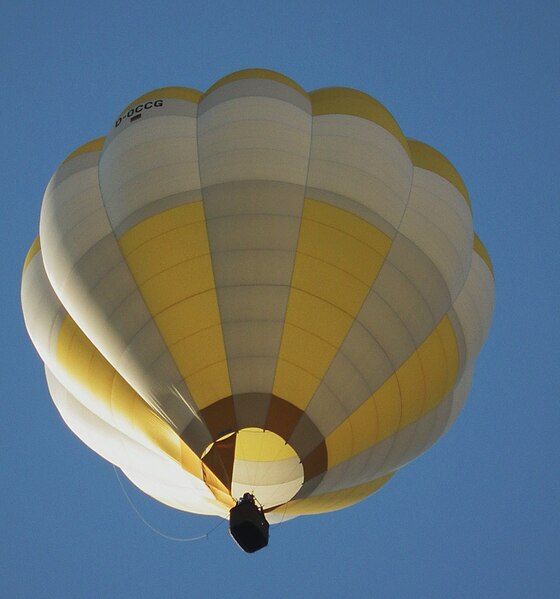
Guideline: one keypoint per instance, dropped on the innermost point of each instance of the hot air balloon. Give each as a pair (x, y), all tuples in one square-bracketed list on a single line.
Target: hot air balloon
[(257, 302)]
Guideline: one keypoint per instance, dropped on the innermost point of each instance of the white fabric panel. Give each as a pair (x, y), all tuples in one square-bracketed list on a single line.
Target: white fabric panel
[(149, 160), (358, 159), (272, 482), (158, 481), (72, 220), (475, 304), (249, 472), (460, 395), (253, 138), (438, 220), (161, 477), (42, 311), (97, 289)]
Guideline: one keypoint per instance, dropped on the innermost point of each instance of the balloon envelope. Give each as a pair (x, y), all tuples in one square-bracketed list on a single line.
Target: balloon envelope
[(257, 289)]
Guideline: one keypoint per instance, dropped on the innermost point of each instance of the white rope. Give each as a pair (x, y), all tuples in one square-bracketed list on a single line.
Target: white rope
[(152, 528)]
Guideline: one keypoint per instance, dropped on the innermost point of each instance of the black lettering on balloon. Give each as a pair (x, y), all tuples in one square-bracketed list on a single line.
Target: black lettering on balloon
[(134, 113)]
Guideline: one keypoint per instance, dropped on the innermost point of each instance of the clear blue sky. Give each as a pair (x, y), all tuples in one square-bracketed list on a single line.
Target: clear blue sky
[(478, 515)]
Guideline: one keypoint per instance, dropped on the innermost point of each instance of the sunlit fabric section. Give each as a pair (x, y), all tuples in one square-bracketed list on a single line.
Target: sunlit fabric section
[(142, 461), (86, 268), (254, 136), (103, 410)]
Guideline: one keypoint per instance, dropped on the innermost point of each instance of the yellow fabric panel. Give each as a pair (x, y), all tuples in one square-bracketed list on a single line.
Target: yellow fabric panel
[(329, 283), (197, 351), (344, 100), (177, 283), (33, 250), (428, 158), (169, 249), (416, 387), (177, 93), (336, 218), (329, 502), (95, 145), (169, 257), (258, 445), (147, 230), (202, 310), (83, 362), (338, 258), (481, 250), (301, 347), (256, 74), (294, 384), (310, 313), (209, 384), (335, 247), (440, 362)]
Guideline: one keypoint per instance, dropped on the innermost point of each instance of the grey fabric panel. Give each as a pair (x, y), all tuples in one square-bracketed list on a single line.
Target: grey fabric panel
[(446, 253), (197, 436), (422, 274), (252, 349), (379, 316), (344, 380), (357, 370), (326, 409), (251, 409), (256, 232), (77, 164), (246, 267), (305, 437), (309, 487), (254, 87), (253, 197), (396, 289), (252, 338), (252, 302)]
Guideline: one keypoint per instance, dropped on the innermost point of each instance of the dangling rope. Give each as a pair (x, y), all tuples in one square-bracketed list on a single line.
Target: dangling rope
[(152, 528)]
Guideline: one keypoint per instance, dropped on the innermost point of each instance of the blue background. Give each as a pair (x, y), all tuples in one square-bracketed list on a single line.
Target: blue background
[(476, 516)]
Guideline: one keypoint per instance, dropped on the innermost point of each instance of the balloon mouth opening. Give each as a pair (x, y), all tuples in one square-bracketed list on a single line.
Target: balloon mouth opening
[(258, 462)]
